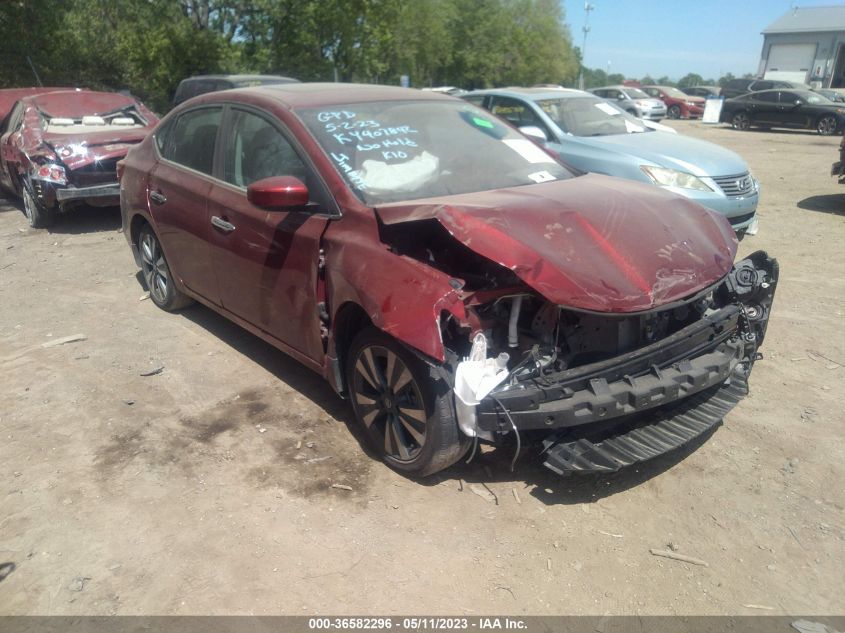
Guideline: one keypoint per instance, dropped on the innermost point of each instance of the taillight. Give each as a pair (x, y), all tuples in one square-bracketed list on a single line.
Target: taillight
[(121, 167), (51, 173)]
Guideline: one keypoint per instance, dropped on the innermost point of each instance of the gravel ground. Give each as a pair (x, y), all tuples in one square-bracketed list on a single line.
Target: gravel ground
[(184, 492)]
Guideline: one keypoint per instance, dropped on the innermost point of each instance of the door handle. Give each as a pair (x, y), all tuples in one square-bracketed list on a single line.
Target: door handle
[(158, 197), (220, 223)]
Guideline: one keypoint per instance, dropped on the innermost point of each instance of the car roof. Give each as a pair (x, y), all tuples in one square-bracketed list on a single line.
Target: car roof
[(77, 103), (237, 77), (10, 96), (533, 93), (304, 95), (789, 89)]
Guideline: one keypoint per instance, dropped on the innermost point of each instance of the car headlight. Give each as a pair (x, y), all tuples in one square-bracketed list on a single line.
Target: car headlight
[(674, 178)]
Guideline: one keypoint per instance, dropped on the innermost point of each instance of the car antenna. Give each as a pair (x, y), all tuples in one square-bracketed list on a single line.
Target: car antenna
[(34, 72)]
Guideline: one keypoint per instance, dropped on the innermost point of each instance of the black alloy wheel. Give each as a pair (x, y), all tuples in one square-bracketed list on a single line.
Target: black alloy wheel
[(827, 125), (403, 406), (157, 275), (741, 121)]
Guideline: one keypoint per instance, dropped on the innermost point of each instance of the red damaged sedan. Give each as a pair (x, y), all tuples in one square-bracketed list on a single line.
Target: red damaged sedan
[(448, 276), (60, 148)]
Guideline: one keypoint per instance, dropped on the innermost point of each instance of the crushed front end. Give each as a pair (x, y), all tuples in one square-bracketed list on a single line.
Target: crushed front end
[(611, 389)]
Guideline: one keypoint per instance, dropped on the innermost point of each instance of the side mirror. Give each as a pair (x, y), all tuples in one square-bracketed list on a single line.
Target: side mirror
[(798, 102), (620, 98), (278, 193), (534, 132)]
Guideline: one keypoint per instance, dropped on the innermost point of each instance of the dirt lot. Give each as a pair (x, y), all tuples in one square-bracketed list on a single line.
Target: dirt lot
[(184, 493)]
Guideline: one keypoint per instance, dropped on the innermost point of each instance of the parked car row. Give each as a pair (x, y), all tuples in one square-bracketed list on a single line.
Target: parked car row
[(454, 280), (593, 135)]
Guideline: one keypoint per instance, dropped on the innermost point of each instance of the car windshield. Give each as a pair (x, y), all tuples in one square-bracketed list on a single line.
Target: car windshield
[(588, 116), (674, 92), (405, 150), (635, 93)]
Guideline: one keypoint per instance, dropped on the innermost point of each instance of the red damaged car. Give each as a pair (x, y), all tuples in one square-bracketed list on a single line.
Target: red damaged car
[(60, 148), (448, 276)]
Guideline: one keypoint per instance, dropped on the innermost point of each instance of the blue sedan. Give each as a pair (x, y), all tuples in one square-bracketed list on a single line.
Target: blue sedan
[(596, 136)]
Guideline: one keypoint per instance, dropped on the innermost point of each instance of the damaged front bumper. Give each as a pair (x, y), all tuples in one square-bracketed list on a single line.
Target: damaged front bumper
[(112, 191), (683, 383), (695, 358)]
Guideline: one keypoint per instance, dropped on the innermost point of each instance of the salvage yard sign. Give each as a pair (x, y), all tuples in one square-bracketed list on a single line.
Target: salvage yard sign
[(712, 110)]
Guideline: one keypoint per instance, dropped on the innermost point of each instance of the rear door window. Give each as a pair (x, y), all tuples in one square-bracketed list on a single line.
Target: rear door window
[(767, 97), (476, 100), (191, 141)]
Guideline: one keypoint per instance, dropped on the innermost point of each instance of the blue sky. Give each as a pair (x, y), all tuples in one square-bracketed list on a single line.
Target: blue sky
[(673, 38)]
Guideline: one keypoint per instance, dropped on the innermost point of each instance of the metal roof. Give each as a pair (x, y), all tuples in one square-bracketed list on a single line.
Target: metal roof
[(809, 19)]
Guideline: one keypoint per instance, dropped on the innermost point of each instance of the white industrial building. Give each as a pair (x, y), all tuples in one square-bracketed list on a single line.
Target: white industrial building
[(806, 44)]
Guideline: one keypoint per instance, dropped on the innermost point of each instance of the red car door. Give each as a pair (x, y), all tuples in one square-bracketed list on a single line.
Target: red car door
[(267, 261), (178, 198), (10, 148)]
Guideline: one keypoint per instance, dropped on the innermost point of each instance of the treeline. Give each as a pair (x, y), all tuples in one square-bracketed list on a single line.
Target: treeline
[(596, 77), (148, 46)]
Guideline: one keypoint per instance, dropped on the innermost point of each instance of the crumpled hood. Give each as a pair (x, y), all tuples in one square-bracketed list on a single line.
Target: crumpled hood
[(675, 151), (592, 243), (78, 150)]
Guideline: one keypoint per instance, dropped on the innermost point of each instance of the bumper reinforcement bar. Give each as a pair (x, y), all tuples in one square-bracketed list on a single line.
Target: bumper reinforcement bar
[(76, 193), (675, 426)]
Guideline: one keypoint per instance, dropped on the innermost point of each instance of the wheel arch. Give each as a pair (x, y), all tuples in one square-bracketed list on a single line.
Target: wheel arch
[(349, 319), (137, 223)]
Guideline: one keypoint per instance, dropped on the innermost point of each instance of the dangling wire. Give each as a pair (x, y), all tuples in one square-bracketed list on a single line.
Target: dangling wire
[(474, 446), (518, 442)]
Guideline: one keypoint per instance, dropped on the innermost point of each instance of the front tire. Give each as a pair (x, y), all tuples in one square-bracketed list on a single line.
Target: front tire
[(403, 406), (674, 112), (827, 125), (37, 214), (741, 121), (157, 275)]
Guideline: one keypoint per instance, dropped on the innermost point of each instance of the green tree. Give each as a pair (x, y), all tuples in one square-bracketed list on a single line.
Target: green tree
[(690, 79), (37, 54), (726, 79)]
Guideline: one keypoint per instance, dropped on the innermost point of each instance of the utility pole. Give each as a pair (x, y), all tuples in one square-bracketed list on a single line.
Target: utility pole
[(586, 29)]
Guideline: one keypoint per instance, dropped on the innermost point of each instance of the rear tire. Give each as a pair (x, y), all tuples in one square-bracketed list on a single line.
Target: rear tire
[(674, 112), (741, 121), (37, 214), (403, 405), (827, 125), (157, 275)]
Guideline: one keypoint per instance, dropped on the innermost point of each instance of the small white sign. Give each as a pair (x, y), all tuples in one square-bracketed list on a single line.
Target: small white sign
[(712, 110), (528, 150)]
